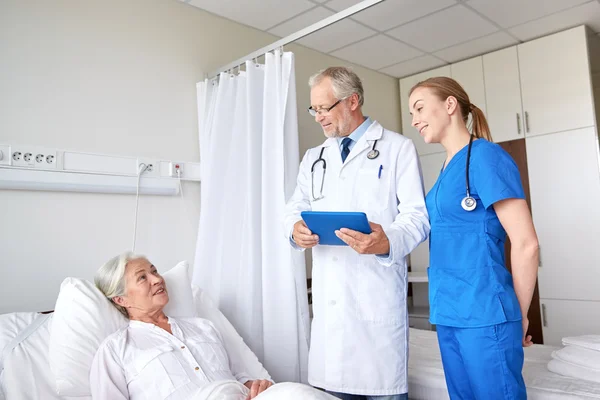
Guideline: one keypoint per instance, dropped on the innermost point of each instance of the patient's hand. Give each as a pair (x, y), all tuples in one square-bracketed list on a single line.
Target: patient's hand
[(258, 386)]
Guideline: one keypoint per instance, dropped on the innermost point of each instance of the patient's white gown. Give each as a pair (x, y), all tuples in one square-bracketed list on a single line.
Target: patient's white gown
[(143, 361)]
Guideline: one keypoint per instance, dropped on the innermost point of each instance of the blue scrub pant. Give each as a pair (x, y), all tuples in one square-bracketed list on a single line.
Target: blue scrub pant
[(345, 396), (483, 363)]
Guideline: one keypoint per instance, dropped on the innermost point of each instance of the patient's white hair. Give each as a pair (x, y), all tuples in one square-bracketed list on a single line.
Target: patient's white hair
[(110, 278)]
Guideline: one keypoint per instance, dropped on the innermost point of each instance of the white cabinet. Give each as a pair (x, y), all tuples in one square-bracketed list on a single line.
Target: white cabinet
[(542, 91), (562, 318), (469, 74), (431, 165), (596, 90), (407, 129), (555, 83), (503, 95), (564, 183)]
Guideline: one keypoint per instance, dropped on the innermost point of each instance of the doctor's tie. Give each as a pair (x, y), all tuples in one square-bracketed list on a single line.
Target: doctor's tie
[(345, 149)]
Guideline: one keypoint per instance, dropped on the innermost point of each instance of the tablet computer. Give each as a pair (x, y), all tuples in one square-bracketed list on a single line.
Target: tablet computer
[(325, 223)]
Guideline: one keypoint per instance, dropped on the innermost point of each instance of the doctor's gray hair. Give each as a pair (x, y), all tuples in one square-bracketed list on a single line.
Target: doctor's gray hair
[(110, 278), (344, 81)]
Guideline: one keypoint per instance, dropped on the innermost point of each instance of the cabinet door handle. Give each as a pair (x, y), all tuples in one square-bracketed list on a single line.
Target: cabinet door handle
[(526, 122), (540, 257), (518, 123), (544, 320)]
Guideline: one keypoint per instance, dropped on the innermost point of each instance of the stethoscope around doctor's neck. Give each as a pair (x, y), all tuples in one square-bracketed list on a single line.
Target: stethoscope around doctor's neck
[(371, 155)]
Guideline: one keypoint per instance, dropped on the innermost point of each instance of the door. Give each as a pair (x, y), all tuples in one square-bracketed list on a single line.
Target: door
[(503, 95), (518, 151), (555, 83), (407, 129)]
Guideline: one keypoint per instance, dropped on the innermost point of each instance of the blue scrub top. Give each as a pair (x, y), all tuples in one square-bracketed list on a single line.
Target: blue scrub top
[(469, 285)]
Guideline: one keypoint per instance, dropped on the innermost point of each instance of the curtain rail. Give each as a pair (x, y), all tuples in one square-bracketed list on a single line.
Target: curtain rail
[(363, 5)]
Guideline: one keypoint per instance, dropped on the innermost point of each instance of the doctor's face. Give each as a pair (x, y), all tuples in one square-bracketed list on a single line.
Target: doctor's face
[(429, 114), (335, 122), (145, 288)]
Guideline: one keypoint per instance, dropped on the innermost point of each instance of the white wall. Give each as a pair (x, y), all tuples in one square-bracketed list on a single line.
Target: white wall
[(117, 77), (594, 51)]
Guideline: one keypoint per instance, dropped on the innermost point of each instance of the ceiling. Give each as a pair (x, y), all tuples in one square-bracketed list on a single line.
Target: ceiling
[(403, 37)]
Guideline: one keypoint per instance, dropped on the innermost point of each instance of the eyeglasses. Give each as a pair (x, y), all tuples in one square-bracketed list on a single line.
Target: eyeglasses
[(322, 110)]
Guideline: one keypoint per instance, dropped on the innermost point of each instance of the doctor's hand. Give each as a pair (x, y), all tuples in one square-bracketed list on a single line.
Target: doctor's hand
[(374, 243), (303, 236), (256, 387)]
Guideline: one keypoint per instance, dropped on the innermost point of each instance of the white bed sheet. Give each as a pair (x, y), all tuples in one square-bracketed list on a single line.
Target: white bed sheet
[(27, 375), (426, 374), (13, 323)]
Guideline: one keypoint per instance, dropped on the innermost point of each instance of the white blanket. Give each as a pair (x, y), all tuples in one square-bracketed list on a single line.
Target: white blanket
[(591, 342), (233, 390), (579, 356), (574, 371)]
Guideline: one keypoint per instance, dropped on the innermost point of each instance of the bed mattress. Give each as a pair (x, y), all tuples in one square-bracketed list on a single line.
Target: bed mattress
[(426, 375)]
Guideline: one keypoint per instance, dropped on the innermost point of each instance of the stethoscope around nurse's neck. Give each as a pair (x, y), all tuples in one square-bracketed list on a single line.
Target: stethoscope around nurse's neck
[(468, 203), (371, 155)]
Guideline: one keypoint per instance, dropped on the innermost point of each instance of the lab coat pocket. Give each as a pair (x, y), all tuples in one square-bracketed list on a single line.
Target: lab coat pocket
[(372, 190), (156, 371), (381, 295)]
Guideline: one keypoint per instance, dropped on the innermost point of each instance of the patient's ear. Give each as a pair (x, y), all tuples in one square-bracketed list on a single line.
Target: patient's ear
[(120, 301)]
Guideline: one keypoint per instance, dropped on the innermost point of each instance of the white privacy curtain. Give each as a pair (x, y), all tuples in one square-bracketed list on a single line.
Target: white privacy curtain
[(249, 162)]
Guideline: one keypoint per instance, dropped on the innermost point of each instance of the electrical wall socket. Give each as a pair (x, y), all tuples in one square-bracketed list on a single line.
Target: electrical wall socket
[(152, 167), (175, 166), (32, 157)]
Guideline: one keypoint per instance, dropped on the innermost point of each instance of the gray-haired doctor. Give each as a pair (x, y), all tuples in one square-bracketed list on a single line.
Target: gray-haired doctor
[(359, 338)]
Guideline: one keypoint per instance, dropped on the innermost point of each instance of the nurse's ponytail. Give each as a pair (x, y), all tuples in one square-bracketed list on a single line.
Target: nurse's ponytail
[(444, 87)]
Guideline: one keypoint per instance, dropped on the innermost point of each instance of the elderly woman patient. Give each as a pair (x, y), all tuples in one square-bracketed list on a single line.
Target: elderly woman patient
[(157, 357)]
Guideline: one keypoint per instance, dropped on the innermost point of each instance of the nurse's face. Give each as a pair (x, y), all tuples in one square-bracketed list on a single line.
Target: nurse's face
[(429, 114), (337, 121)]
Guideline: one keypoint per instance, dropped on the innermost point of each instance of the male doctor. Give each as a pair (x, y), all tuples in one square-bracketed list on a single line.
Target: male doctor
[(359, 339)]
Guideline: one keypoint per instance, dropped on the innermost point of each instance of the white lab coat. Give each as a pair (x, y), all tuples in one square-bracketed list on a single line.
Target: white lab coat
[(359, 338)]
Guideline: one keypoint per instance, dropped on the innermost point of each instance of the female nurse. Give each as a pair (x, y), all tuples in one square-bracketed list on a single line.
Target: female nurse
[(478, 307)]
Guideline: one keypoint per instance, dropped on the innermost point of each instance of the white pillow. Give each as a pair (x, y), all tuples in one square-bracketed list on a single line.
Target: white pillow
[(234, 343), (83, 318), (179, 287)]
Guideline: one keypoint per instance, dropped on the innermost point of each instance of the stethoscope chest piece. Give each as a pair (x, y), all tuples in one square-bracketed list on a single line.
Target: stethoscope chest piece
[(468, 203), (373, 154)]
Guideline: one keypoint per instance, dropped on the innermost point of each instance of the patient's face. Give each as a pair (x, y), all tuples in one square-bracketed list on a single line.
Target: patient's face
[(146, 291)]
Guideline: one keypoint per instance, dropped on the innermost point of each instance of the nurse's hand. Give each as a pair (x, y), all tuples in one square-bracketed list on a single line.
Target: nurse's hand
[(374, 243), (526, 338), (303, 236)]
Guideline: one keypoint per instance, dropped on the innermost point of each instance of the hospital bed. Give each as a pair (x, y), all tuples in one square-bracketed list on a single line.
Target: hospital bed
[(27, 370), (31, 368)]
